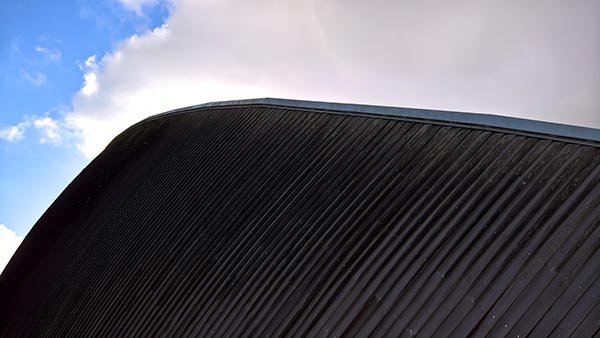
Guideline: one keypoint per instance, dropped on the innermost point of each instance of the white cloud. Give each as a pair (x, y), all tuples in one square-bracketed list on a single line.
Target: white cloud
[(53, 54), (9, 242), (49, 129), (38, 79), (13, 133), (498, 57), (90, 81)]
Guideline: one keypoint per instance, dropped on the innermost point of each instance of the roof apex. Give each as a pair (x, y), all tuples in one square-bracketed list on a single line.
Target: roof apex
[(483, 121)]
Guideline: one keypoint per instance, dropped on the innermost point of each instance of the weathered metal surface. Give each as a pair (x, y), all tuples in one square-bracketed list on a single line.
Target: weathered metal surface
[(262, 220)]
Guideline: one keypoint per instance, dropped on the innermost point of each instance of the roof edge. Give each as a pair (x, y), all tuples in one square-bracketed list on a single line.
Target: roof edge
[(477, 119)]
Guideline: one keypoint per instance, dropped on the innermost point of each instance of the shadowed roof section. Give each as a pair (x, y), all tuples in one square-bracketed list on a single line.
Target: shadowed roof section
[(284, 218)]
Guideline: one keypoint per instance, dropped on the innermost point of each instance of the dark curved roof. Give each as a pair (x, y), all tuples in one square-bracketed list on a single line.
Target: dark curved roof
[(472, 120), (289, 218)]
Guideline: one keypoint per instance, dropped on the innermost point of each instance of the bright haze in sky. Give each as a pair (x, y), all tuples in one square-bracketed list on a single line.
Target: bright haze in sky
[(86, 70)]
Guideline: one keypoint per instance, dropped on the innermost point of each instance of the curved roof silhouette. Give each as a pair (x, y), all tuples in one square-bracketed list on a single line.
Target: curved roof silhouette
[(289, 218)]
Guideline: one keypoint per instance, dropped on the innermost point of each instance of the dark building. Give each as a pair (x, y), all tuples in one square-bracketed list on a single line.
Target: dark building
[(305, 219)]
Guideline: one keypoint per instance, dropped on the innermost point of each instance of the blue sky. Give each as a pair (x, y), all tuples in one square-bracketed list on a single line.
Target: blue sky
[(75, 73)]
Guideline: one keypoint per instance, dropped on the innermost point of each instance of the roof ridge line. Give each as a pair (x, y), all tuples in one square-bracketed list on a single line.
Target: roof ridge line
[(475, 119)]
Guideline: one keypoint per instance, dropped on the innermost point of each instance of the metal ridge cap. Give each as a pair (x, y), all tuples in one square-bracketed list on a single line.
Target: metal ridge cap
[(477, 119)]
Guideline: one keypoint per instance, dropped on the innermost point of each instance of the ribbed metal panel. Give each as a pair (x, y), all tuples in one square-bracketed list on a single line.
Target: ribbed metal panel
[(258, 220)]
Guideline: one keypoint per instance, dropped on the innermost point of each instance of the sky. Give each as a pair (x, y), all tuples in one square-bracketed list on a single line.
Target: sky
[(75, 73)]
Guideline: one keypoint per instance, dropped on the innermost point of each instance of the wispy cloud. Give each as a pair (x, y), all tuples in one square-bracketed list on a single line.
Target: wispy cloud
[(138, 5), (53, 54), (37, 79), (9, 242), (48, 38), (50, 130), (14, 47), (13, 133)]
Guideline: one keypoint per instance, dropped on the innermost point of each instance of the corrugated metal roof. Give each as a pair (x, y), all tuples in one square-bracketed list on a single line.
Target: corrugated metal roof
[(260, 219), (473, 120)]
